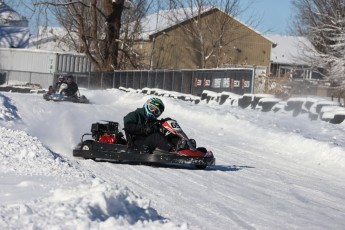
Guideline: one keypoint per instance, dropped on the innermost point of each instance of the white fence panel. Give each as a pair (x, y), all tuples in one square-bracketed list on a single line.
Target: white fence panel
[(39, 67)]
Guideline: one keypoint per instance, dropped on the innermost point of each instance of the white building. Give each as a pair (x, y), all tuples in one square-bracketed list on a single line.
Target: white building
[(50, 38), (289, 57)]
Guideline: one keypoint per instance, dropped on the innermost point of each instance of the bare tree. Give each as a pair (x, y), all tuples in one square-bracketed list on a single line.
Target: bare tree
[(323, 23), (130, 56), (94, 27)]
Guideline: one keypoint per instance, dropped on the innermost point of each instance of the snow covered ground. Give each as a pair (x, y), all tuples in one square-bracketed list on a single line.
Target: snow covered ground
[(273, 171)]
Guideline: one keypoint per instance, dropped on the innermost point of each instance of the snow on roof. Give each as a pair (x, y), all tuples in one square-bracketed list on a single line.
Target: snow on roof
[(48, 32), (164, 19), (289, 49), (50, 38)]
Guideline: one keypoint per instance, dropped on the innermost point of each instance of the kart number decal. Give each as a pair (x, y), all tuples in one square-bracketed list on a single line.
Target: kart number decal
[(175, 125)]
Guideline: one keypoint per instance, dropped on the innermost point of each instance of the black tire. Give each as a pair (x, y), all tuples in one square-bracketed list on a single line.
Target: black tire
[(86, 145), (202, 149), (45, 97), (200, 166)]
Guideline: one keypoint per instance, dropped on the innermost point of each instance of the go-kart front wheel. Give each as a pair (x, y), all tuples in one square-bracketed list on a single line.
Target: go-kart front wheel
[(200, 166)]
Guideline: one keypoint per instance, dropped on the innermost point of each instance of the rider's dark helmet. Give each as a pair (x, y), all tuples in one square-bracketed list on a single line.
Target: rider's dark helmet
[(154, 107), (69, 77)]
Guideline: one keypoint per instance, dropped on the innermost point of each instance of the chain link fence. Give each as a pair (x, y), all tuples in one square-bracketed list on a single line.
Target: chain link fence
[(239, 81), (43, 68), (236, 80)]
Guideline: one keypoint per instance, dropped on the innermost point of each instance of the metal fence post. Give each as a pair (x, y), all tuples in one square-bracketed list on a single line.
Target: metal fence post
[(89, 80), (253, 79), (164, 79), (114, 79), (173, 80), (102, 80), (8, 76), (182, 77), (126, 79), (141, 78), (192, 84), (148, 77)]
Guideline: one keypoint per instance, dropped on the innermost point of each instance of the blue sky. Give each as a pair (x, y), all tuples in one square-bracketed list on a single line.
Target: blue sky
[(275, 15)]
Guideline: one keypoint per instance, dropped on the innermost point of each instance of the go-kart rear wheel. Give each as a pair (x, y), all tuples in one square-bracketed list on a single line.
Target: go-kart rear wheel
[(87, 145)]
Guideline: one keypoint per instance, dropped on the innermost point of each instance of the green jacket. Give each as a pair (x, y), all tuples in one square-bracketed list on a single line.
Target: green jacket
[(136, 121)]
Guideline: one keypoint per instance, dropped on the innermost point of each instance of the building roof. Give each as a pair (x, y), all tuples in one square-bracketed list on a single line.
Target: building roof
[(290, 50), (166, 19), (49, 38)]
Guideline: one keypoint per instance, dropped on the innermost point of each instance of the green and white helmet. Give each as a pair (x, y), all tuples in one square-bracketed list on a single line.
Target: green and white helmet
[(154, 107)]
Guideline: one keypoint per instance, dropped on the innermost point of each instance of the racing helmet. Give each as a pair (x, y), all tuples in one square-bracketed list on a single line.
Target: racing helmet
[(61, 78), (154, 107), (69, 77)]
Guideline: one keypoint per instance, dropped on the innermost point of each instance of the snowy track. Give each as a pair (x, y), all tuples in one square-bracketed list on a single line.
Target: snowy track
[(268, 173)]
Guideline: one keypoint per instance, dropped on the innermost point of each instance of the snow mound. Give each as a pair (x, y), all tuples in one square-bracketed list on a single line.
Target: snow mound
[(26, 155), (93, 205), (8, 112)]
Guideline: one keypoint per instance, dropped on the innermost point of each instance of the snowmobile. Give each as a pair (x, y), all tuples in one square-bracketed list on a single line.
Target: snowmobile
[(107, 142), (59, 96)]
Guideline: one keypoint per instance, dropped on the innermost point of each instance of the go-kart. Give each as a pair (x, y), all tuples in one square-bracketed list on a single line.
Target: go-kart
[(107, 142), (60, 96)]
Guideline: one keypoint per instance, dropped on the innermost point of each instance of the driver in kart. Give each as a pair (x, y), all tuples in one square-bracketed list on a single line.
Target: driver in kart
[(72, 87), (141, 130), (56, 88)]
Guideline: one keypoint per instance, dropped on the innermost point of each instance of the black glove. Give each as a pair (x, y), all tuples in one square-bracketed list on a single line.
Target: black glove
[(148, 130)]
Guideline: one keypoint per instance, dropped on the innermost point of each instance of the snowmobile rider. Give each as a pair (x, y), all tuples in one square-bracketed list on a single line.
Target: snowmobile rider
[(72, 87), (140, 129)]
